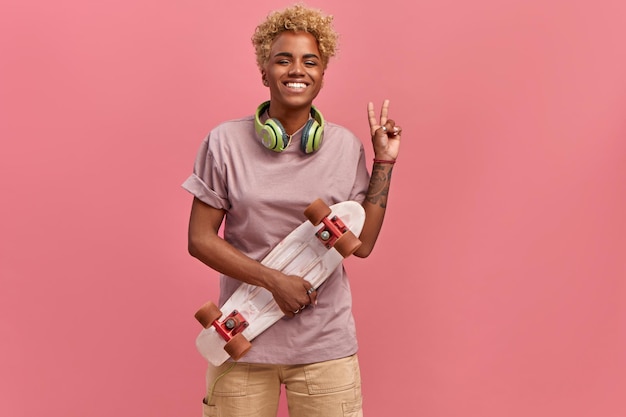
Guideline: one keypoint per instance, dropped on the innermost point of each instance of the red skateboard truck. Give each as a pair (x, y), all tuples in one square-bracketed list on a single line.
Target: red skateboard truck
[(334, 233), (230, 328)]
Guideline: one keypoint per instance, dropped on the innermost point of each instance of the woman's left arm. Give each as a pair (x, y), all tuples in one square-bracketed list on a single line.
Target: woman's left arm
[(386, 142)]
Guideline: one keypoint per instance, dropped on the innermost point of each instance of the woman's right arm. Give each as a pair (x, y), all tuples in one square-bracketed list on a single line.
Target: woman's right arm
[(204, 243)]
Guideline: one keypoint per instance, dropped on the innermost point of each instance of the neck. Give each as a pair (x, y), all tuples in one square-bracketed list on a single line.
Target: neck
[(291, 119)]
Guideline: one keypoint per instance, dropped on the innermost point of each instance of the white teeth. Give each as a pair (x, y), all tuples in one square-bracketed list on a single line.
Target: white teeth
[(296, 85)]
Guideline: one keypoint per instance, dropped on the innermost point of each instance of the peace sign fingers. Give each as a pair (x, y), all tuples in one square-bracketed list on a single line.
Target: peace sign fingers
[(385, 133), (374, 123)]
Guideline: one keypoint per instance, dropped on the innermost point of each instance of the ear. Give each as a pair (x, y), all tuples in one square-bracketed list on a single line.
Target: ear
[(264, 78)]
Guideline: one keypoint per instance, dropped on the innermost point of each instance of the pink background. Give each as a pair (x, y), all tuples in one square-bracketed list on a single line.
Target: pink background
[(497, 287)]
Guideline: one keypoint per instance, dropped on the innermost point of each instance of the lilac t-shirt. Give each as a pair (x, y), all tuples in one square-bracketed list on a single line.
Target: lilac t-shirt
[(264, 194)]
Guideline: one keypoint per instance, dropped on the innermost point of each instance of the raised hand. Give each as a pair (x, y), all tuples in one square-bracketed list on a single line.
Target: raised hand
[(385, 133)]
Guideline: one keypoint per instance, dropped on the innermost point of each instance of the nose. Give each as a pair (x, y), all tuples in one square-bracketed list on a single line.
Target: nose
[(296, 68)]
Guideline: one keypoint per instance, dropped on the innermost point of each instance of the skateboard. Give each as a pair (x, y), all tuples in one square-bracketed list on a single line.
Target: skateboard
[(313, 251)]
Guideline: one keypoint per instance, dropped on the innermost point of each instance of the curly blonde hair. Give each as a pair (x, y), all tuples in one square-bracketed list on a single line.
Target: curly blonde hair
[(296, 18)]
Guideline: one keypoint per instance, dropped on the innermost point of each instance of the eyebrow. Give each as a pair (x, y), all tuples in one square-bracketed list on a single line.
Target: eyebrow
[(290, 55)]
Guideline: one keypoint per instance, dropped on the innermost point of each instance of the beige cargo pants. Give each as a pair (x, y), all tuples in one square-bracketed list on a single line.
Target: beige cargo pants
[(325, 389)]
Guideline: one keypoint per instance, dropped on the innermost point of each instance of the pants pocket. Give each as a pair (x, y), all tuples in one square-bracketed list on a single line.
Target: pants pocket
[(333, 376), (208, 410)]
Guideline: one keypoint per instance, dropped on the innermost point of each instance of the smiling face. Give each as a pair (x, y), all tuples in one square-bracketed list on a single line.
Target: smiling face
[(294, 72)]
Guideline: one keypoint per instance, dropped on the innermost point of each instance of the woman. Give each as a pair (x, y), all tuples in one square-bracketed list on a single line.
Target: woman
[(258, 174)]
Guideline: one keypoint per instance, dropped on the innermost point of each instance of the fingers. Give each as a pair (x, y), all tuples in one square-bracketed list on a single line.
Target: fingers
[(389, 129), (383, 112), (371, 117), (293, 294), (311, 295), (375, 123)]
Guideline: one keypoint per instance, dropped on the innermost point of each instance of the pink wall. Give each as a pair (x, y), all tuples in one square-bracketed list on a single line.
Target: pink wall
[(497, 288)]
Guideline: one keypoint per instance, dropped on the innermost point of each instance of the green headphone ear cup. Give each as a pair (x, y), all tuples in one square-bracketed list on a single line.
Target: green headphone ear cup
[(313, 132), (274, 136), (271, 133), (311, 135)]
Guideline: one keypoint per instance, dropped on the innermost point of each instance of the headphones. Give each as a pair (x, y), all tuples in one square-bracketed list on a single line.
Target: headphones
[(274, 137)]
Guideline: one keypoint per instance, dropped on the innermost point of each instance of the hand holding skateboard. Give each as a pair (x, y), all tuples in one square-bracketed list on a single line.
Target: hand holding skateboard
[(293, 294)]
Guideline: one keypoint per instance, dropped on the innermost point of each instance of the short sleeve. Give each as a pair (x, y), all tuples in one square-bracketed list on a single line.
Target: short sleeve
[(207, 182)]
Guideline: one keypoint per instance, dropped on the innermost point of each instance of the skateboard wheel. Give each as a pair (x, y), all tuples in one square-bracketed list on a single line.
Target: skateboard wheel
[(347, 244), (207, 314), (237, 346), (316, 211)]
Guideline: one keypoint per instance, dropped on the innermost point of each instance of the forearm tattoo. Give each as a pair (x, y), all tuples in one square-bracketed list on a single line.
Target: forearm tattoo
[(378, 190)]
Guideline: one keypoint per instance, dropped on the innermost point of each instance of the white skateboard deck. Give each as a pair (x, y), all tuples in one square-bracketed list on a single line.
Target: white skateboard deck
[(301, 253)]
